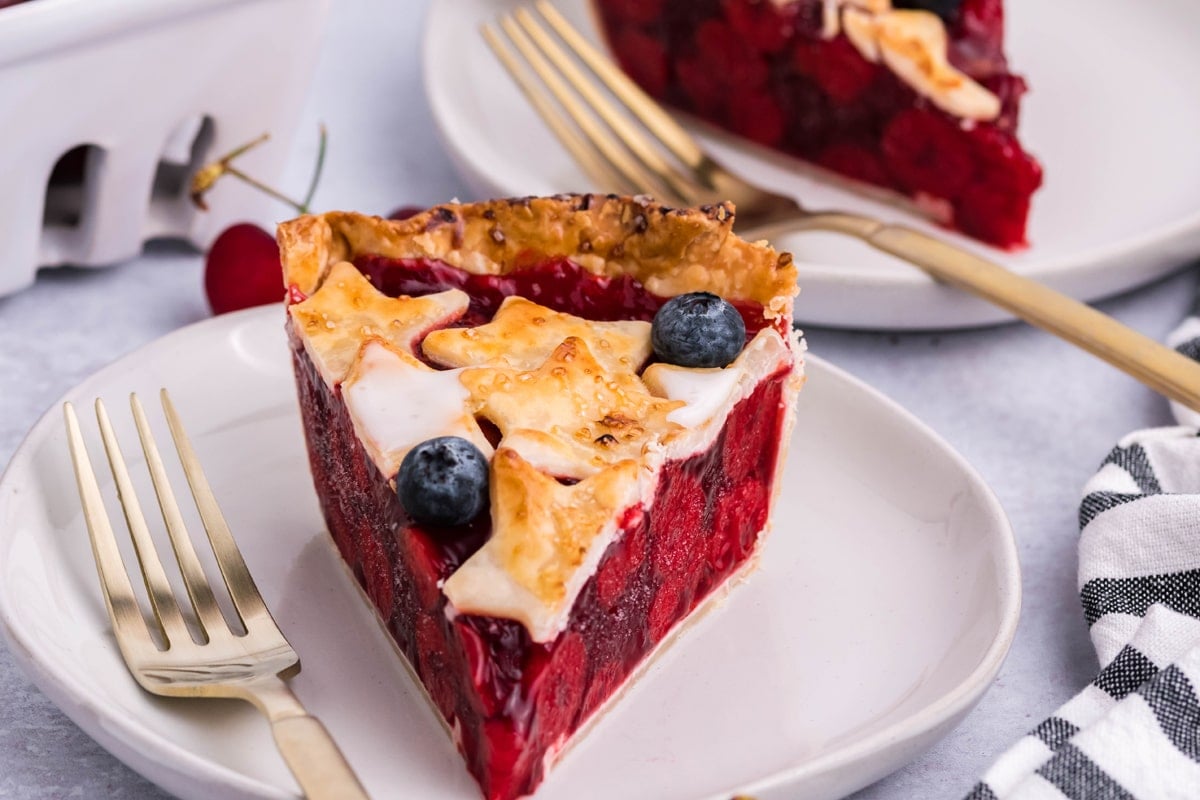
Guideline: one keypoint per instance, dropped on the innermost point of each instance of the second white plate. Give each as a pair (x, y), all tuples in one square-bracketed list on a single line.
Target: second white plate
[(1112, 117), (887, 598)]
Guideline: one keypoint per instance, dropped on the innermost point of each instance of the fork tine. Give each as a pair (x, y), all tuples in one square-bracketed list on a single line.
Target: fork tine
[(596, 167), (114, 581), (619, 122), (634, 173), (659, 122), (618, 160), (242, 590), (162, 599), (198, 589)]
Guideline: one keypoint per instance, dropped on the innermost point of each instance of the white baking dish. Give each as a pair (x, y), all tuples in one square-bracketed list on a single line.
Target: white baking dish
[(152, 88)]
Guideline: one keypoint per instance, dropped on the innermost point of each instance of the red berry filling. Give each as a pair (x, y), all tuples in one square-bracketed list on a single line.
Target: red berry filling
[(926, 153), (556, 283), (764, 26), (768, 74), (512, 701), (644, 57)]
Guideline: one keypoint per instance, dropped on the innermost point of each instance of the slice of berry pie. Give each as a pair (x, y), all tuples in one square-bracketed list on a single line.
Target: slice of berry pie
[(543, 432), (913, 95)]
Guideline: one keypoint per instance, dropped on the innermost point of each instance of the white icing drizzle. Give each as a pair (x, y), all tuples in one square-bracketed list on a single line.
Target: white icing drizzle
[(710, 394), (704, 391), (396, 404)]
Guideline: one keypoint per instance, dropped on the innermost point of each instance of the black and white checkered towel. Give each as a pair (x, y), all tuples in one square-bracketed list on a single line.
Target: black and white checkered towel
[(1134, 732)]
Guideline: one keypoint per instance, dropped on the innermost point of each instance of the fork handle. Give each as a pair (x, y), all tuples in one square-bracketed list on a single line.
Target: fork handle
[(315, 760), (1164, 370), (306, 746)]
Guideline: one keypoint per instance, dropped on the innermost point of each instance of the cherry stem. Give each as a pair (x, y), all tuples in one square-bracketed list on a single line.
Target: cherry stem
[(262, 187), (224, 166), (316, 177), (237, 151)]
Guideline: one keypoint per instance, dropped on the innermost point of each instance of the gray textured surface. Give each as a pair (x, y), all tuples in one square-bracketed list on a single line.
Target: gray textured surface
[(998, 395)]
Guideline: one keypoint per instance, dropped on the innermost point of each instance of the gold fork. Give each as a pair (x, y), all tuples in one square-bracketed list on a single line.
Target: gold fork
[(217, 661), (655, 155)]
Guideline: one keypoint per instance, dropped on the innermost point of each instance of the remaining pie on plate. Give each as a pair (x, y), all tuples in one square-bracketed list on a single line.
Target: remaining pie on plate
[(543, 432), (913, 95)]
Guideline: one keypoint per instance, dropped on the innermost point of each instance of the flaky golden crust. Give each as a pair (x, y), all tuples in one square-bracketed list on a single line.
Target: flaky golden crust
[(670, 251)]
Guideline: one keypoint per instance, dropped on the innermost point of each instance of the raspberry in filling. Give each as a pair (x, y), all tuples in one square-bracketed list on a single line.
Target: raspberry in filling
[(911, 95), (630, 464)]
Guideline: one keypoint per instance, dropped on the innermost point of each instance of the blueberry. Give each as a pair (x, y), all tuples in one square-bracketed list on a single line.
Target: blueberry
[(443, 481), (946, 9), (698, 330)]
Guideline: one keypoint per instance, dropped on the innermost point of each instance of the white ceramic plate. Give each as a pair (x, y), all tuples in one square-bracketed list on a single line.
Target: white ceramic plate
[(1112, 117), (887, 599)]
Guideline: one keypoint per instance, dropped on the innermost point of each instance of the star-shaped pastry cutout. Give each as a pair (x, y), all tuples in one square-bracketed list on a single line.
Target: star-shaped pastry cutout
[(523, 334), (543, 532), (396, 402), (348, 309), (570, 416)]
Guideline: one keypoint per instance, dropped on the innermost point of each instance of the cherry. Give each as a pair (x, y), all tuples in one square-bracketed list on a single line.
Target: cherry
[(926, 152), (636, 12), (765, 26), (644, 58), (837, 67), (700, 84), (620, 562), (996, 217), (855, 161), (558, 690), (242, 269), (1002, 164), (755, 114), (729, 57), (377, 571)]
